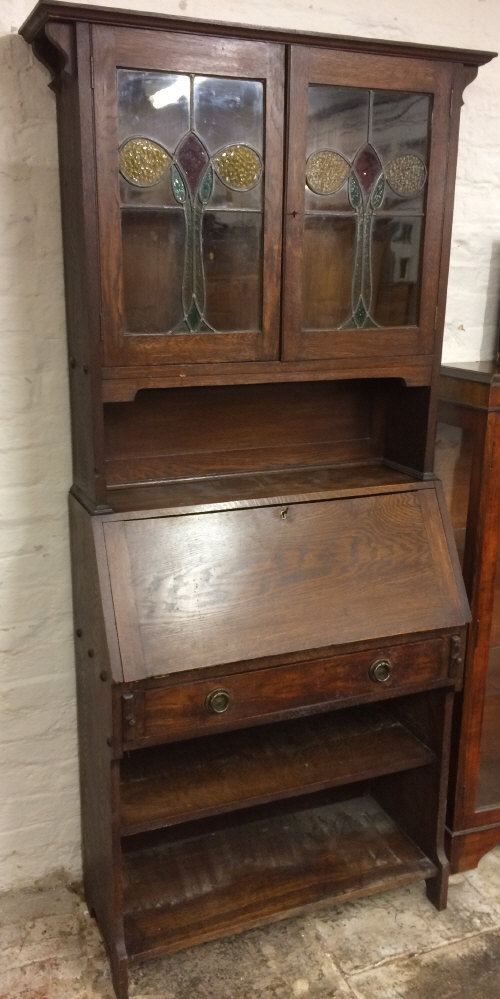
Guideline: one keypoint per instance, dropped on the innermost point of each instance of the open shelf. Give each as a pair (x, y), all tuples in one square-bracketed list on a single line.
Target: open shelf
[(173, 784), (187, 892), (288, 486)]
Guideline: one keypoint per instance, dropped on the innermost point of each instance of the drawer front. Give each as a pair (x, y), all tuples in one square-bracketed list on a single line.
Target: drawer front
[(189, 709)]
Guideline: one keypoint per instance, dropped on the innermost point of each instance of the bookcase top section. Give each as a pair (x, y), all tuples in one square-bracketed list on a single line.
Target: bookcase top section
[(47, 11)]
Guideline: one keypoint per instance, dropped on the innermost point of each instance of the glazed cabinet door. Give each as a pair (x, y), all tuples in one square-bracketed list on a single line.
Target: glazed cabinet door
[(365, 204), (189, 155)]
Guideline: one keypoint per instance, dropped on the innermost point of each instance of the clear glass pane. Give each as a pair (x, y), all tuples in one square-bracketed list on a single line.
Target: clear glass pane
[(488, 788), (400, 134), (329, 250), (153, 104), (395, 260), (232, 256), (153, 263), (400, 122), (453, 465), (337, 118), (228, 111)]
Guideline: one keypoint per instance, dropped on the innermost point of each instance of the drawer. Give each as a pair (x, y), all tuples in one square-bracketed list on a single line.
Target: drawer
[(182, 710)]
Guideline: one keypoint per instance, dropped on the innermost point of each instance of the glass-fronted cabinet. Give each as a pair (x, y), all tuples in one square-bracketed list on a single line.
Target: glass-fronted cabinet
[(191, 153), (363, 208)]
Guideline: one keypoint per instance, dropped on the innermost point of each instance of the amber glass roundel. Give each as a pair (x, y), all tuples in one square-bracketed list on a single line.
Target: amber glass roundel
[(238, 167), (143, 162), (326, 171), (406, 175)]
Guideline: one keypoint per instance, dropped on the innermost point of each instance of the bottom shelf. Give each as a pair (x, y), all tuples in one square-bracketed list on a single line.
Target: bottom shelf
[(184, 893)]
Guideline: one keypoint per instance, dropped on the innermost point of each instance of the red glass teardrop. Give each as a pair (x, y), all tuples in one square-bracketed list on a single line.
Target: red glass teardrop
[(367, 167), (192, 157)]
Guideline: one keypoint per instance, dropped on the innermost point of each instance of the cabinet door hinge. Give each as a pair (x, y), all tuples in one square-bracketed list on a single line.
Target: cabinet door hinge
[(452, 99)]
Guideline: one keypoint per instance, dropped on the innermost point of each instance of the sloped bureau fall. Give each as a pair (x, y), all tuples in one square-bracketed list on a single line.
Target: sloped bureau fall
[(269, 611)]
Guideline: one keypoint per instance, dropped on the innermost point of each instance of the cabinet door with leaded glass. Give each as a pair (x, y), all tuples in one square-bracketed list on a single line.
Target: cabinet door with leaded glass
[(189, 176), (365, 205)]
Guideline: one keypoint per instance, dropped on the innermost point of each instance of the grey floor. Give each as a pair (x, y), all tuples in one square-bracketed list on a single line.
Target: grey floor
[(390, 946)]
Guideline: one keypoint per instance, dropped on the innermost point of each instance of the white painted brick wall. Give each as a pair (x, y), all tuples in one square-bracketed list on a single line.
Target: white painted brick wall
[(39, 821)]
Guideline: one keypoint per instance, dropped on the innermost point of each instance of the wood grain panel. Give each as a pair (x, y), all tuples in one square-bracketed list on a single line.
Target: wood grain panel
[(178, 710), (239, 584), (177, 783), (218, 884)]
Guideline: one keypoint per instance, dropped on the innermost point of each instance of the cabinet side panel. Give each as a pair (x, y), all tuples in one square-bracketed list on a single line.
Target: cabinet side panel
[(98, 771), (81, 255)]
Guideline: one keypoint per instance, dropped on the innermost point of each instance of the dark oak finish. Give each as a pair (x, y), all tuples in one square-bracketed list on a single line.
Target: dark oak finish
[(301, 576), (312, 684), (173, 784), (468, 458), (261, 872), (269, 609)]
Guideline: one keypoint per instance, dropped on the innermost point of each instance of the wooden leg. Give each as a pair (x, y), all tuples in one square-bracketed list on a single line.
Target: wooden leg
[(119, 971), (437, 888)]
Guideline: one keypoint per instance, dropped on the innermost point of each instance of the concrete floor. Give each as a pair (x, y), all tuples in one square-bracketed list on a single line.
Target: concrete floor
[(390, 946)]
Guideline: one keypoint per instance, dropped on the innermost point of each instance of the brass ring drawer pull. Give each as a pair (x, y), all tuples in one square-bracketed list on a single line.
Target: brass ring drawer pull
[(218, 701), (380, 670)]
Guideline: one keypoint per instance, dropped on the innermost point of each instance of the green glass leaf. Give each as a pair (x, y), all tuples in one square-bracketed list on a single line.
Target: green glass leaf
[(178, 186), (378, 194), (355, 196), (360, 314), (206, 186), (194, 317)]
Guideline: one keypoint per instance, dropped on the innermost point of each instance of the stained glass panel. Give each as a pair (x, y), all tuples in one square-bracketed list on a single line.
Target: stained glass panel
[(191, 146), (365, 174)]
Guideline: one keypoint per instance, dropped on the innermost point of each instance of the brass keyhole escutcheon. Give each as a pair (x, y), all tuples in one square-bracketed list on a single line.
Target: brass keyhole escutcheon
[(380, 671), (218, 701), (284, 513)]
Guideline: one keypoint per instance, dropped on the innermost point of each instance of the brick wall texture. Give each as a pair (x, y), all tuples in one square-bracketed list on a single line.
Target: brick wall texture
[(39, 815)]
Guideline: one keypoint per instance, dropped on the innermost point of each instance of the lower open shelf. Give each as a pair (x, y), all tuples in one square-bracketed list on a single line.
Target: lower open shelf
[(182, 893), (168, 785)]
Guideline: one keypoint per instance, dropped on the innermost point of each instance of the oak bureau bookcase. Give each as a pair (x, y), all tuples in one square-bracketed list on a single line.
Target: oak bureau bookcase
[(269, 610)]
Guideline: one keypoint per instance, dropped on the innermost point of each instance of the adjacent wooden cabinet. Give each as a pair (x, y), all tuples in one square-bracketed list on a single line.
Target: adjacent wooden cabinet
[(269, 610), (468, 460)]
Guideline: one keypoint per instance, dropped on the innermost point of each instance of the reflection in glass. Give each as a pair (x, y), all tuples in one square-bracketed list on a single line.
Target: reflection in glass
[(152, 245), (488, 787), (329, 252), (231, 263), (187, 150), (367, 160)]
